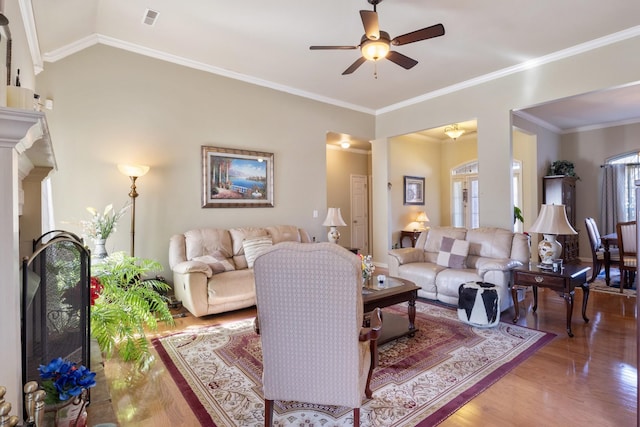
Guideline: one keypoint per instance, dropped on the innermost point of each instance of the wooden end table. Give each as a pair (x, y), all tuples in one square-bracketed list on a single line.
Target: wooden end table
[(563, 282), (411, 235)]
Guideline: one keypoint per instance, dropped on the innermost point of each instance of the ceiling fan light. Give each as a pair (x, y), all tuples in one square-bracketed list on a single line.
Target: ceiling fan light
[(374, 50)]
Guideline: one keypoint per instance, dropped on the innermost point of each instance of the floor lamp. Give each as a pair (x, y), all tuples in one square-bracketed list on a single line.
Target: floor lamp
[(133, 172)]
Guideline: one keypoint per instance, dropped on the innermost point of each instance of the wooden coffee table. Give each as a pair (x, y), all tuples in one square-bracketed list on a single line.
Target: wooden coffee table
[(394, 291)]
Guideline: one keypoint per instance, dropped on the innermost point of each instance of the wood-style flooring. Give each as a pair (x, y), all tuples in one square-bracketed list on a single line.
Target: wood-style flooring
[(587, 380)]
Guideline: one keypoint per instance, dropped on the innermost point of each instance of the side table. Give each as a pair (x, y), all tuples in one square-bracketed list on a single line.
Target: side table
[(563, 282), (412, 235)]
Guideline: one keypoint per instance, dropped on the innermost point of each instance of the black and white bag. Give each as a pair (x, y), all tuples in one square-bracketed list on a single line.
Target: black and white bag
[(479, 304)]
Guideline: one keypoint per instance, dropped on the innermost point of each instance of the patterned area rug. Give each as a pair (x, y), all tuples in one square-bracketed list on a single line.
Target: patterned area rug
[(420, 381), (600, 284)]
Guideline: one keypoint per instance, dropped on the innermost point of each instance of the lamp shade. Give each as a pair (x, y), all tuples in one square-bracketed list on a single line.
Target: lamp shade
[(334, 218), (133, 170), (422, 217), (552, 220)]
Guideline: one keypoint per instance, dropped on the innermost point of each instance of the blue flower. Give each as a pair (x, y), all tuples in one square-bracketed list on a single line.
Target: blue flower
[(64, 379)]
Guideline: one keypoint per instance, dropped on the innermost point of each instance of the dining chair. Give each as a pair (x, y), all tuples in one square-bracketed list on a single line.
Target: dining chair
[(310, 320), (627, 245), (597, 249)]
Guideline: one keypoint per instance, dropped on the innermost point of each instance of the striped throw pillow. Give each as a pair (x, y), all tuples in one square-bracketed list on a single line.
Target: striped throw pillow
[(254, 247)]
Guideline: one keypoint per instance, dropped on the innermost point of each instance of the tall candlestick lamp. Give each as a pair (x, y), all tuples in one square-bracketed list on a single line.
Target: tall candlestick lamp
[(133, 172)]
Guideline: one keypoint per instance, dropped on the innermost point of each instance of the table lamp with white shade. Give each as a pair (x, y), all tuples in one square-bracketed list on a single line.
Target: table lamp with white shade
[(333, 220), (551, 222), (421, 219)]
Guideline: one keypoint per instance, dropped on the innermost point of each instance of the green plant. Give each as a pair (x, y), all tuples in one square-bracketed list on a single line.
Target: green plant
[(562, 167), (128, 304), (517, 215)]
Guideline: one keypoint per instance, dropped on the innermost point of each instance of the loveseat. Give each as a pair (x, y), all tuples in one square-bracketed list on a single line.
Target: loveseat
[(212, 267), (446, 257)]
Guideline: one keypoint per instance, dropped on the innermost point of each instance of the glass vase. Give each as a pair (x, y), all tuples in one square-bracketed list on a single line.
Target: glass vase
[(70, 413)]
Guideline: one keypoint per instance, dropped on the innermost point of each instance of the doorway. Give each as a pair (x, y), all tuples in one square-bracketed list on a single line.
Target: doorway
[(348, 174), (360, 213)]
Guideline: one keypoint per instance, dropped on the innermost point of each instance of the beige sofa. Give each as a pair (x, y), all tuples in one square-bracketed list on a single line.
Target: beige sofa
[(492, 255), (212, 267)]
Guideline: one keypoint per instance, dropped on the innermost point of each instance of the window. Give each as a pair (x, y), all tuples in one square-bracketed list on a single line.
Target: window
[(631, 174), (465, 201), (464, 196)]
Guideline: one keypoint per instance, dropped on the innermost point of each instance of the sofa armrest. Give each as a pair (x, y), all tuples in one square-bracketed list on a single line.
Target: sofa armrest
[(485, 265), (187, 267), (407, 255), (397, 257)]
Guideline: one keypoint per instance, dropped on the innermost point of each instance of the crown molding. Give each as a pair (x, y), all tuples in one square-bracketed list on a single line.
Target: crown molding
[(93, 39), (533, 63), (88, 41), (26, 10), (538, 121)]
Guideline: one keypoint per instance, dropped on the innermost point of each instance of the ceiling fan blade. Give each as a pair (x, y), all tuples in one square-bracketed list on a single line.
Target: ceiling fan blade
[(332, 47), (402, 60), (354, 66), (370, 23), (423, 34)]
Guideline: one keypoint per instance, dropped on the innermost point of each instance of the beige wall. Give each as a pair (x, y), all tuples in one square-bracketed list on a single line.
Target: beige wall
[(491, 103), (113, 106), (588, 150), (341, 165), (413, 155)]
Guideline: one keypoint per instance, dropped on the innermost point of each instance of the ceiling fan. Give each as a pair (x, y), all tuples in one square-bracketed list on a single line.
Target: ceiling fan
[(375, 44)]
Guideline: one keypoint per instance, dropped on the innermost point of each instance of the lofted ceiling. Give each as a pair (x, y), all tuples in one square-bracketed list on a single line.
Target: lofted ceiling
[(267, 43)]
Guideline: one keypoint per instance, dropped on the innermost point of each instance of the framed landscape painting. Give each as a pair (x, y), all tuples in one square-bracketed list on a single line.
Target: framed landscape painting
[(236, 178), (413, 190)]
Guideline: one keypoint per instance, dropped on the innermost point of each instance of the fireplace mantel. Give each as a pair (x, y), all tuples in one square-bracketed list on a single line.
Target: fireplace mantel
[(25, 144)]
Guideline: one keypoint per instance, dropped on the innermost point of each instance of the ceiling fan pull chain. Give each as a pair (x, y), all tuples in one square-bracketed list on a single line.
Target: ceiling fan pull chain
[(375, 70)]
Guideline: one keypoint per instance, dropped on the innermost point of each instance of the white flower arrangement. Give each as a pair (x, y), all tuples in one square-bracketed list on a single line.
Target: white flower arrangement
[(101, 225)]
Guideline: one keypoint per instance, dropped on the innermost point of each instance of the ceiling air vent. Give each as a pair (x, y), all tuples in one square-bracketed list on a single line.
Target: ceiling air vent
[(150, 17)]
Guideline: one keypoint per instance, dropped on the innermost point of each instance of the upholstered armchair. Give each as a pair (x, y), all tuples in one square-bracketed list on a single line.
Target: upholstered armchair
[(310, 316)]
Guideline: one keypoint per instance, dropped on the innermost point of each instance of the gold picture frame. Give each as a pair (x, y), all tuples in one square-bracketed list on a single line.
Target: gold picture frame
[(234, 178)]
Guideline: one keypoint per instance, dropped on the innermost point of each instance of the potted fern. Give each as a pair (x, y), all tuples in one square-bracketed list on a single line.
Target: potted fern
[(125, 304)]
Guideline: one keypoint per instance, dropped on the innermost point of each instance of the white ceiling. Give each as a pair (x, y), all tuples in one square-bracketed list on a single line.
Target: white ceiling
[(267, 43)]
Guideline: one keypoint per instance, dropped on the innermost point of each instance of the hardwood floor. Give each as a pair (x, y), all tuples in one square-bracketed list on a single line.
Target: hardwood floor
[(590, 379)]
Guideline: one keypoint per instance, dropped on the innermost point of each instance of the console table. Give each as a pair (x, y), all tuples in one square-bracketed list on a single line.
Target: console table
[(563, 282)]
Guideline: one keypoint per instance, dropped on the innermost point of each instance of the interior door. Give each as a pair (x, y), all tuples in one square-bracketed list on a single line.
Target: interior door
[(359, 213)]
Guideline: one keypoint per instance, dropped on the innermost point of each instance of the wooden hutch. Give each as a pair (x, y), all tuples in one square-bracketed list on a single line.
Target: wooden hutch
[(561, 190)]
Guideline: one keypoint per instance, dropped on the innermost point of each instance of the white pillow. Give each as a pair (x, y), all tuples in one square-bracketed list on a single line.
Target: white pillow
[(254, 247)]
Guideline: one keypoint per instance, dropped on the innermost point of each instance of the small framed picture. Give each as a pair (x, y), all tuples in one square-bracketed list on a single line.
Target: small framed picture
[(236, 178), (413, 190)]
